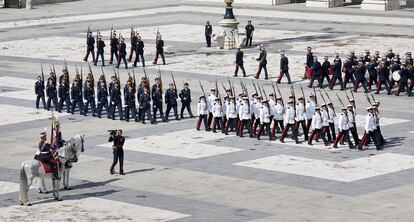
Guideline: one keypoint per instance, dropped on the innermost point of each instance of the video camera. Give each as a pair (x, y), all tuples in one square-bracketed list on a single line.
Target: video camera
[(112, 132)]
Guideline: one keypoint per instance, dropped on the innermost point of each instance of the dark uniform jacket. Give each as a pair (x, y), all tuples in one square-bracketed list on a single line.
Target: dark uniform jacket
[(185, 95), (102, 94), (208, 30), (325, 67), (383, 73), (171, 97), (316, 68), (144, 100), (39, 88), (360, 72), (75, 92), (100, 45), (114, 44), (284, 64), (51, 91), (63, 91), (130, 98), (404, 75), (249, 30), (122, 49), (309, 60), (134, 41), (239, 58), (140, 47), (160, 46), (90, 42), (262, 58), (337, 70), (116, 95), (88, 93), (118, 141)]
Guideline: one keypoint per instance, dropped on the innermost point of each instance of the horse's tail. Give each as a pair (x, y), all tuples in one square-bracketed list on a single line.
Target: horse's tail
[(23, 185)]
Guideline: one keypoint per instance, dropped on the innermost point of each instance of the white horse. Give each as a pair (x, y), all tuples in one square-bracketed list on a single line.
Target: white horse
[(32, 169)]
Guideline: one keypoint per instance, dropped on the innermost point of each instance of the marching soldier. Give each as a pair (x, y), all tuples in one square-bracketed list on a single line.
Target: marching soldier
[(348, 70), (284, 68), (367, 57), (331, 121), (310, 111), (102, 99), (171, 101), (231, 114), (217, 115), (185, 96), (343, 129), (326, 66), (202, 112), (159, 50), (76, 96), (360, 77), (278, 116), (256, 111), (249, 33), (316, 127), (130, 104), (337, 74), (139, 52), (145, 105), (372, 70), (290, 123), (40, 92), (403, 82), (64, 95), (383, 78), (100, 45), (134, 41), (325, 122), (265, 120), (114, 48), (370, 130), (122, 54), (157, 100), (262, 63), (309, 62), (116, 101), (239, 63), (352, 124), (210, 100), (208, 31), (244, 115), (118, 151), (89, 96), (90, 42), (316, 73), (51, 94), (301, 116)]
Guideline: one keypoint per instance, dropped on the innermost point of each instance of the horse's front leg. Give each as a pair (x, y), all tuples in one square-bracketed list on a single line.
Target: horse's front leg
[(57, 186), (42, 185), (66, 179)]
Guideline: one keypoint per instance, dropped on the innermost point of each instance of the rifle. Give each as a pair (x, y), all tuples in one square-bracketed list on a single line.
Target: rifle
[(352, 94), (323, 98), (274, 90), (264, 92), (292, 92), (303, 97), (159, 72), (134, 83), (233, 92), (369, 100), (340, 100), (373, 98), (349, 100), (254, 87), (260, 91), (43, 75), (314, 93), (87, 33), (281, 97), (330, 100), (175, 85), (131, 32), (54, 71), (110, 34), (80, 85), (217, 93), (225, 90), (104, 79), (156, 35), (228, 79), (202, 89), (66, 66)]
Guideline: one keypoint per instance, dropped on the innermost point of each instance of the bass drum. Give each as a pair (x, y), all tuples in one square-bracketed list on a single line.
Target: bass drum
[(396, 75)]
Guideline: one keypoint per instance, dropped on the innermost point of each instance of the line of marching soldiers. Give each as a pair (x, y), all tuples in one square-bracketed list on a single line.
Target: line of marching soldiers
[(270, 116), (388, 70), (81, 94), (118, 48)]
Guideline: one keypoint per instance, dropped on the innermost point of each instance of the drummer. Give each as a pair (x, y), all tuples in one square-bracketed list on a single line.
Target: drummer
[(401, 77)]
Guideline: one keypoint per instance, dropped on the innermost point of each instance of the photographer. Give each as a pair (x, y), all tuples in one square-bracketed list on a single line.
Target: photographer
[(119, 140)]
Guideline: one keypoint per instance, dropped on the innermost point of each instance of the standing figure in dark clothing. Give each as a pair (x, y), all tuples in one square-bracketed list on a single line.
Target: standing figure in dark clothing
[(171, 101), (118, 151), (100, 45), (76, 96), (90, 47), (89, 96), (40, 92), (262, 63), (122, 54), (309, 63), (116, 101), (64, 95), (326, 66), (114, 48), (51, 94), (316, 73), (139, 52), (134, 41), (284, 68), (145, 105), (337, 75), (185, 96), (239, 63), (159, 50), (208, 31), (102, 99), (249, 33)]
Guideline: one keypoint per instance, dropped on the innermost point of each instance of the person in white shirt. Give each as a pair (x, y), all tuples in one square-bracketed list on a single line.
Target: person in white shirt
[(331, 120), (202, 112), (325, 122), (343, 129), (301, 116), (244, 115), (278, 116), (231, 116), (265, 120), (316, 127), (217, 110), (310, 111), (224, 107), (290, 123), (256, 111), (352, 124), (210, 100), (377, 116)]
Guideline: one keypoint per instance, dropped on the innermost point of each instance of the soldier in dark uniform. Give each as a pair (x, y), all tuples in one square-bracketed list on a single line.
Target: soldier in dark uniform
[(122, 54), (208, 31), (110, 87), (114, 48), (337, 75), (309, 61), (118, 151), (171, 101), (403, 82), (157, 100), (383, 78), (130, 104), (145, 105), (348, 70), (102, 99), (367, 57), (239, 63), (284, 68), (90, 42), (360, 77), (372, 70), (185, 96), (100, 45), (326, 65), (64, 95), (116, 101), (262, 62), (51, 94), (140, 91), (89, 96), (45, 155), (76, 96), (40, 92), (316, 73), (139, 52), (159, 50), (249, 33), (134, 41)]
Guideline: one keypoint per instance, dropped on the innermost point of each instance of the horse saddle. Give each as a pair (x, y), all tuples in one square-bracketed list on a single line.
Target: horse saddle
[(48, 166)]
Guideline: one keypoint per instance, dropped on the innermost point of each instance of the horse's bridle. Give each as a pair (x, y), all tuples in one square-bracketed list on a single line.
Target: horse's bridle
[(74, 151)]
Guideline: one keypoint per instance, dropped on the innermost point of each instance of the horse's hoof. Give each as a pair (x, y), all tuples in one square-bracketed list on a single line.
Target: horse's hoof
[(40, 191), (21, 203), (68, 188), (29, 204), (55, 198), (46, 192), (60, 199)]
